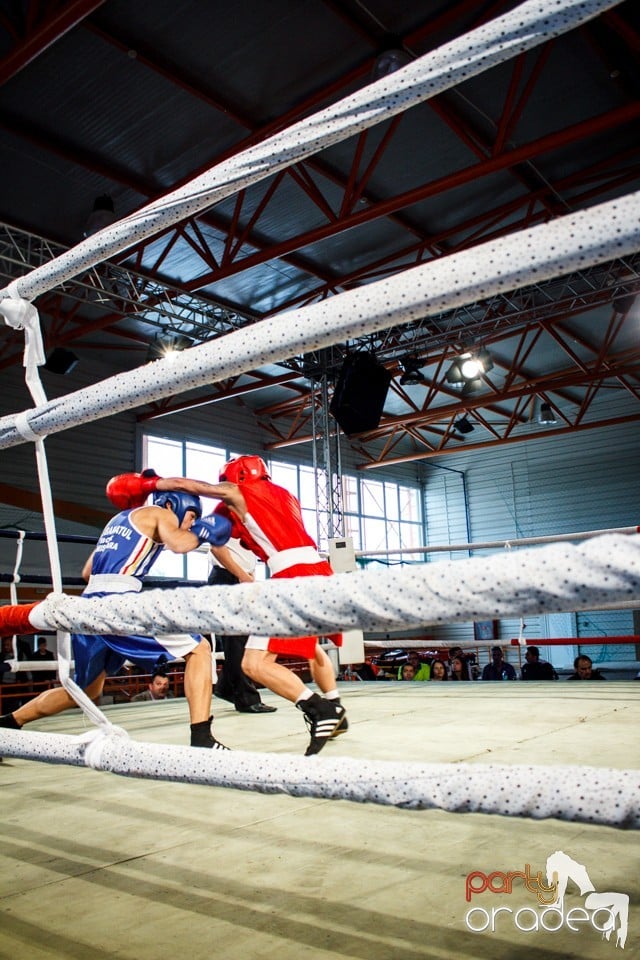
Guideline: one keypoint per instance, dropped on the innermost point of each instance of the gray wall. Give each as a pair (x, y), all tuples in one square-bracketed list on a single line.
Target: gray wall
[(578, 482)]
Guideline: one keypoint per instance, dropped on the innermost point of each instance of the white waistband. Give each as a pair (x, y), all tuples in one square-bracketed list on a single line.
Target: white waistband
[(112, 583), (288, 558)]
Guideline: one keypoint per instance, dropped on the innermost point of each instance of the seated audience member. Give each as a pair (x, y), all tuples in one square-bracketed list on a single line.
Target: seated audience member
[(407, 672), (365, 671), (536, 669), (43, 653), (421, 671), (583, 669), (468, 661), (498, 669), (459, 669), (438, 670), (157, 689)]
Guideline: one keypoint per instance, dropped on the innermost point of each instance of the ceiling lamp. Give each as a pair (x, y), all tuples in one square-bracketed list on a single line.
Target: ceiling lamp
[(412, 373), (464, 425), (166, 344), (102, 215), (546, 414), (469, 367), (391, 57)]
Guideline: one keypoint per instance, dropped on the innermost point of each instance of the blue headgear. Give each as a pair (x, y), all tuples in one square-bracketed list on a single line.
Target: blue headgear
[(180, 503)]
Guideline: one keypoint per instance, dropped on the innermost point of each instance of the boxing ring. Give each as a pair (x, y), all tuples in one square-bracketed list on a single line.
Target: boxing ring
[(552, 577)]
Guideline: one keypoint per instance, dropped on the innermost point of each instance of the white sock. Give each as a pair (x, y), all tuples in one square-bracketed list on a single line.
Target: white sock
[(305, 695), (332, 694)]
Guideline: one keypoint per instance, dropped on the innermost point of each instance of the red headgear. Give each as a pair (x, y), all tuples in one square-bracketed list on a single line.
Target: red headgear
[(244, 469)]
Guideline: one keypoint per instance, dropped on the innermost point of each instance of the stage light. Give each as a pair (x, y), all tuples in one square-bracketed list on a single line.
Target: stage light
[(167, 343), (464, 425), (469, 367), (412, 374)]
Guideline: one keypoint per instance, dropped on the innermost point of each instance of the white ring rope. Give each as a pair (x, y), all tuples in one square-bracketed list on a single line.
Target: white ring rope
[(530, 24), (585, 794), (555, 578), (567, 243), (496, 544)]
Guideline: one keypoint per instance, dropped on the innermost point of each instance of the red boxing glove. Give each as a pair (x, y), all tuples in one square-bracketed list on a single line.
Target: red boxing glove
[(15, 619), (129, 490)]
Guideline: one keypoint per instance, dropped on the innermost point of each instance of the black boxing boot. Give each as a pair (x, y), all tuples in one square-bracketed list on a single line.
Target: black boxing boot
[(8, 720), (201, 736), (322, 717)]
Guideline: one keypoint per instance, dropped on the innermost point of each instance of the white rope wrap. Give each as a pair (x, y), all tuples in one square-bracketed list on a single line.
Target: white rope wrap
[(556, 578), (568, 243), (13, 593), (530, 24), (577, 794)]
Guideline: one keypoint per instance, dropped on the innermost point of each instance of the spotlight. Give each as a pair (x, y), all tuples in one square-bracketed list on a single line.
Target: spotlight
[(102, 215), (469, 367), (464, 425), (166, 344), (623, 304), (61, 361), (546, 414), (412, 374)]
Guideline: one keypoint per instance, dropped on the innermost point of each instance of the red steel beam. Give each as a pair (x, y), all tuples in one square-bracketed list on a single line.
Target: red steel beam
[(59, 19), (576, 132)]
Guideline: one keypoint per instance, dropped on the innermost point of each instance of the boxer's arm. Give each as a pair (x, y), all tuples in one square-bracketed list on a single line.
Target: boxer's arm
[(229, 493), (226, 559)]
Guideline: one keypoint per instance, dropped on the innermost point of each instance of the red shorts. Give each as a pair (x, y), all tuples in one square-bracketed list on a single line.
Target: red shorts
[(302, 646)]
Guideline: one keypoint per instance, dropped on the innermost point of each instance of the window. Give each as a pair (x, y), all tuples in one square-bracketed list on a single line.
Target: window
[(382, 515), (182, 458)]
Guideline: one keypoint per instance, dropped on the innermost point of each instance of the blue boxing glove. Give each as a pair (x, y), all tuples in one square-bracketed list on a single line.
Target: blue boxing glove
[(215, 529)]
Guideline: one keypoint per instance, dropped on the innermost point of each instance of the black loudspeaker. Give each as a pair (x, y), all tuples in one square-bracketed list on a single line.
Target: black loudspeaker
[(61, 361), (361, 390)]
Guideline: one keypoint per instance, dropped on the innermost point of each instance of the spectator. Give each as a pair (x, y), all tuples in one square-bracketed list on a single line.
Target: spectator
[(498, 669), (364, 671), (157, 689), (468, 661), (12, 678), (536, 669), (421, 671), (459, 669), (407, 672), (43, 653), (438, 670), (583, 669)]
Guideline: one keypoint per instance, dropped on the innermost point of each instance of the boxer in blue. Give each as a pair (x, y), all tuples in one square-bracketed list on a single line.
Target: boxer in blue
[(125, 552)]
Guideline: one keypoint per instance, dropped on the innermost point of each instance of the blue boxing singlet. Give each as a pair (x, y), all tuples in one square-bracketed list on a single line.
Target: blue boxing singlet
[(123, 549)]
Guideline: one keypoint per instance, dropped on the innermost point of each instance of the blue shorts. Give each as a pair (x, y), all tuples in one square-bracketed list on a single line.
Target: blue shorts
[(95, 654)]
